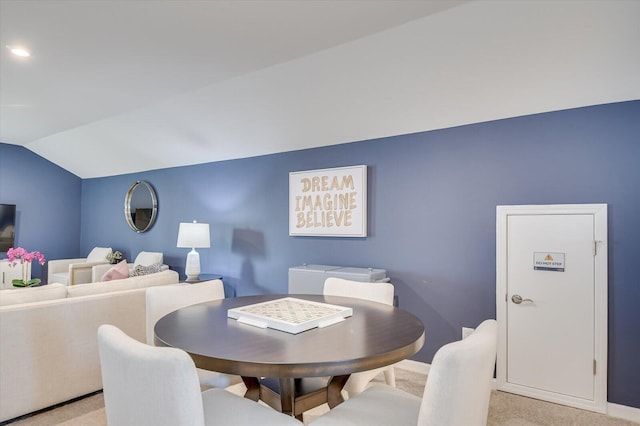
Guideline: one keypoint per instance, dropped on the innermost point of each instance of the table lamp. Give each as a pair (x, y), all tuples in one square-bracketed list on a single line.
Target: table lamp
[(193, 235)]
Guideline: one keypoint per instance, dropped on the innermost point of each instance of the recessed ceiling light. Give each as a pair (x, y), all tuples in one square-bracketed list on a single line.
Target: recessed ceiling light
[(19, 51)]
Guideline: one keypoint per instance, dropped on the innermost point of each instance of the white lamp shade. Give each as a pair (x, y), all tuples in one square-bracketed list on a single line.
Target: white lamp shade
[(194, 235)]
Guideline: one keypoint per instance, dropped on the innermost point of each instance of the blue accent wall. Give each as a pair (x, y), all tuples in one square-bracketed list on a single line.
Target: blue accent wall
[(47, 199), (432, 214)]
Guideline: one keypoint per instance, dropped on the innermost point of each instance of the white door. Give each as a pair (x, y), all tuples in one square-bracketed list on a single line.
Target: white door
[(551, 303)]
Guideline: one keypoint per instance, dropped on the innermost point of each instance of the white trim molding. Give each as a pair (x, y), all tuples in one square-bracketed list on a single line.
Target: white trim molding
[(618, 411), (623, 412), (414, 366)]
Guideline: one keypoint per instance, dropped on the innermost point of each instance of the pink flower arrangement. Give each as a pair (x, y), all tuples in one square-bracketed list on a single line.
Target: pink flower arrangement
[(20, 255)]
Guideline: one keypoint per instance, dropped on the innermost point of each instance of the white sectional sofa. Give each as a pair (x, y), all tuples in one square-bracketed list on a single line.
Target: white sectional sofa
[(48, 343)]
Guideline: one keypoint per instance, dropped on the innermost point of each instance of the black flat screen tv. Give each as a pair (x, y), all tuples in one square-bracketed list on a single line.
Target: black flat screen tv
[(7, 226)]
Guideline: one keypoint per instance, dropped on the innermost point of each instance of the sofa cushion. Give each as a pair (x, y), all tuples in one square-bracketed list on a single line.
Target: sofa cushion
[(146, 258), (59, 277), (131, 283), (32, 294), (99, 254), (118, 272)]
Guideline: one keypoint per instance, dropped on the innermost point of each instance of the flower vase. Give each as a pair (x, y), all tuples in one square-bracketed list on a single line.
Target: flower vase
[(25, 272), (24, 257)]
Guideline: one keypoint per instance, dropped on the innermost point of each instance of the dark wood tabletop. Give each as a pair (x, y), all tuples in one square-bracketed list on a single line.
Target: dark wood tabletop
[(376, 335)]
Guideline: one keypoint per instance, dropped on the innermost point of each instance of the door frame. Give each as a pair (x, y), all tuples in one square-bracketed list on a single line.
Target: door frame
[(599, 211)]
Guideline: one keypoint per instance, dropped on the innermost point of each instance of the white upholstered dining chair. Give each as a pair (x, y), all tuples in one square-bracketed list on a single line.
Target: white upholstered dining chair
[(457, 392), (162, 300), (150, 386), (375, 292), (77, 270)]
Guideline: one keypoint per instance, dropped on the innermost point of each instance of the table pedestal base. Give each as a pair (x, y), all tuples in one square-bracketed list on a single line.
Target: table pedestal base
[(294, 396)]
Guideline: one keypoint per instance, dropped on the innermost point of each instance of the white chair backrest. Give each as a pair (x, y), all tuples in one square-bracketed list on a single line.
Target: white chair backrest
[(458, 386), (375, 292), (148, 258), (99, 254), (145, 385), (162, 300)]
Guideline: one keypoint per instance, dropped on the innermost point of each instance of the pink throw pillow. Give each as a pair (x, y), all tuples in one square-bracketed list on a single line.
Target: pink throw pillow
[(118, 272)]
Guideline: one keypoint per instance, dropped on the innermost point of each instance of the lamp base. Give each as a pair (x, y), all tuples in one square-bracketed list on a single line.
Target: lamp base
[(192, 267)]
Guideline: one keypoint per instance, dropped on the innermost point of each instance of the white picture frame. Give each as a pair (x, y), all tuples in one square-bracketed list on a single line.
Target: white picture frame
[(328, 202)]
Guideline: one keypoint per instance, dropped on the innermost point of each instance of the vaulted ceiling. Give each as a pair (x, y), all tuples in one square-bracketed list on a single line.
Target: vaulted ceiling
[(121, 86)]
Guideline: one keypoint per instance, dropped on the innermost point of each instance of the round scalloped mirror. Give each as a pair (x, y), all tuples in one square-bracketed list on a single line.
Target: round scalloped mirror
[(140, 206)]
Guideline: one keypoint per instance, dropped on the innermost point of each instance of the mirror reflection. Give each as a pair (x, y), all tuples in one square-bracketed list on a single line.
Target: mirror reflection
[(140, 206)]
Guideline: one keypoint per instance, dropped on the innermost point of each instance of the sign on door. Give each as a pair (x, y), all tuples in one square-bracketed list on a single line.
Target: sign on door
[(545, 261)]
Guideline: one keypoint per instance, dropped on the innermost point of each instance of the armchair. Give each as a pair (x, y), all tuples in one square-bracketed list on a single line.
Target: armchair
[(144, 258), (77, 270)]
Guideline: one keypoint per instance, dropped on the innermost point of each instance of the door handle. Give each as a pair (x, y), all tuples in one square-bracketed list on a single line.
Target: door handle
[(517, 299)]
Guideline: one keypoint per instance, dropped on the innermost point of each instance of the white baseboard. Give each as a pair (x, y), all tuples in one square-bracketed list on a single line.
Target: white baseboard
[(613, 410), (623, 412), (414, 366)]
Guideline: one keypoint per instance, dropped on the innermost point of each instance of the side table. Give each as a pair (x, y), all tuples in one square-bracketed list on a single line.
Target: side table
[(204, 277), (228, 290)]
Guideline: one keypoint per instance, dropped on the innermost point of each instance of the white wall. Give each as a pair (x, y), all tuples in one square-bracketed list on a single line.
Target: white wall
[(481, 61)]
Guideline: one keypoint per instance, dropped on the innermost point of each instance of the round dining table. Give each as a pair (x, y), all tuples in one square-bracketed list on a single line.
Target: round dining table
[(375, 335)]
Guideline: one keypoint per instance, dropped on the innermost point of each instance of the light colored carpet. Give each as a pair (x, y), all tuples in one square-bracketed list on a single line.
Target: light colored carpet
[(505, 410)]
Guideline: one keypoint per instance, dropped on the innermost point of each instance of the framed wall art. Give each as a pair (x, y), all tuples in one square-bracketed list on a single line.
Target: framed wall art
[(328, 202)]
